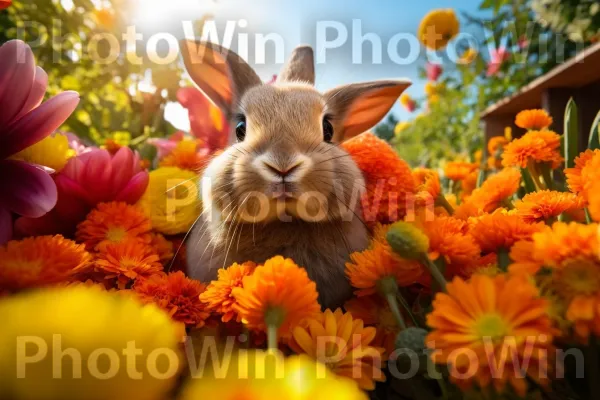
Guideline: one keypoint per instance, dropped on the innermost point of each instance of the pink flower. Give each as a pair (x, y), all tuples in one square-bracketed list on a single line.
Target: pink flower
[(497, 58), (88, 179), (433, 71), (163, 146), (26, 189), (207, 122)]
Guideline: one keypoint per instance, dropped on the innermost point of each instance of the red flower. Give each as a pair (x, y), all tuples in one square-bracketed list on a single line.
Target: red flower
[(433, 71)]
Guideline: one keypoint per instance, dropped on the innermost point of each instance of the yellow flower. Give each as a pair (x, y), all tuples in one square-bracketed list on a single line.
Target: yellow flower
[(486, 315), (468, 56), (343, 344), (171, 200), (52, 152), (258, 375), (400, 127), (105, 18), (186, 156), (437, 28), (93, 329)]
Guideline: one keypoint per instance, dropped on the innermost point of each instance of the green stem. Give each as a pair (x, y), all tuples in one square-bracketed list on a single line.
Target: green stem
[(535, 176), (546, 174), (408, 310), (272, 337), (503, 259), (588, 217), (391, 299), (441, 200), (436, 275)]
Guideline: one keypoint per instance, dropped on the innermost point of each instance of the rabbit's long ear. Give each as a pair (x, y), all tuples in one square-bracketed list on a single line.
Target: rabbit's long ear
[(220, 74), (358, 107), (300, 67)]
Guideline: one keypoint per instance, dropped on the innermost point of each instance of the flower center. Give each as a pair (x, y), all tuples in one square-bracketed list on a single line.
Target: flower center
[(116, 234), (491, 325), (578, 277)]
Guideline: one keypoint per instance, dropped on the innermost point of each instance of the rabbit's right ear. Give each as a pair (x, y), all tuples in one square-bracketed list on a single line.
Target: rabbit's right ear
[(220, 74)]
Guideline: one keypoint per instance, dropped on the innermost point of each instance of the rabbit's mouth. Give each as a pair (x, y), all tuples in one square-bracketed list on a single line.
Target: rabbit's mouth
[(283, 191)]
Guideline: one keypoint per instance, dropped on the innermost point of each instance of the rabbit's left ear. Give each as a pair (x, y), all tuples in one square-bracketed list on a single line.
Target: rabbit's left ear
[(358, 107)]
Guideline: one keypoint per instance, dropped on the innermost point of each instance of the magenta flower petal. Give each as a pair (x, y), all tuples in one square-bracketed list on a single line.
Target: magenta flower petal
[(135, 188), (17, 73), (26, 189), (38, 124), (123, 161), (6, 226), (40, 84)]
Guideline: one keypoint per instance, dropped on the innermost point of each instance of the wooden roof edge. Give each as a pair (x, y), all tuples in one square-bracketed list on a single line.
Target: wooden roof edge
[(540, 82)]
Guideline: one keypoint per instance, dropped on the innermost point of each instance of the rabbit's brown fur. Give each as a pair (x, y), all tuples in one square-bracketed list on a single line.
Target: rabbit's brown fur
[(285, 133)]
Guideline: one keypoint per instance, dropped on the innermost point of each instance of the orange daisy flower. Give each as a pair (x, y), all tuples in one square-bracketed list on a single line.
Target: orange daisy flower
[(127, 261), (367, 268), (533, 120), (428, 187), (348, 342), (176, 294), (375, 311), (575, 181), (162, 247), (496, 144), (388, 178), (113, 222), (459, 170), (40, 261), (500, 231), (280, 289), (468, 185), (570, 255), (496, 190), (185, 156), (486, 316), (545, 205), (534, 146), (593, 197), (218, 295)]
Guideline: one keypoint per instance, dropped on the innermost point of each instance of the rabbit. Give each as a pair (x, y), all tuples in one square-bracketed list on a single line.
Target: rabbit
[(284, 186)]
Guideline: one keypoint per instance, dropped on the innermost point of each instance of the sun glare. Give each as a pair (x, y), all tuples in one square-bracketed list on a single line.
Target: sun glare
[(159, 14)]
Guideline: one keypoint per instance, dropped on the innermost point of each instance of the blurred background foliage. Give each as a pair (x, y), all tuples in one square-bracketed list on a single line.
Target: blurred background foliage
[(522, 45), (119, 99)]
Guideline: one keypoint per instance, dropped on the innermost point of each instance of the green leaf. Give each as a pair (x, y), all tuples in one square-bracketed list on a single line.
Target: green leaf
[(571, 133), (594, 142)]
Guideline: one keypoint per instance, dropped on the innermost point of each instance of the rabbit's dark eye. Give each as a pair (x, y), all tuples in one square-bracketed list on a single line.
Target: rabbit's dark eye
[(240, 128), (327, 129)]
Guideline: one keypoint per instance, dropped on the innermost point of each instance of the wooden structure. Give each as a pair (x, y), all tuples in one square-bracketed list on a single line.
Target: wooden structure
[(578, 77)]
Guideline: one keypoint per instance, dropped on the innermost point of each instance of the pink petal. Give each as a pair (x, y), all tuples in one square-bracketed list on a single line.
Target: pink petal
[(40, 84), (134, 189), (26, 189), (6, 225), (164, 147), (38, 124), (123, 165), (17, 72)]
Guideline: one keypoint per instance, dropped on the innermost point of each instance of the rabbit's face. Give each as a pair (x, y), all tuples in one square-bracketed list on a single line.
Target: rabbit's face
[(284, 162)]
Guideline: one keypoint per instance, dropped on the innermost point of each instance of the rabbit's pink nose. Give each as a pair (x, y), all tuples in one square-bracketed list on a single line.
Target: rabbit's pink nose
[(282, 172)]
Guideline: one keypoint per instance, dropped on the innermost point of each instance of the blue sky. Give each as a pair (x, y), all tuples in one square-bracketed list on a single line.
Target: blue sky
[(296, 22)]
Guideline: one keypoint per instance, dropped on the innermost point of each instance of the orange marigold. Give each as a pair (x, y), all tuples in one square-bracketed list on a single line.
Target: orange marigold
[(459, 170), (186, 155), (367, 268), (427, 182), (469, 184), (374, 311), (486, 316), (545, 205), (496, 190), (574, 178), (40, 261), (127, 261), (593, 197), (534, 146), (218, 295), (351, 347), (496, 144), (533, 120), (388, 178), (570, 255), (500, 231), (178, 295), (113, 222), (162, 247), (278, 287)]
